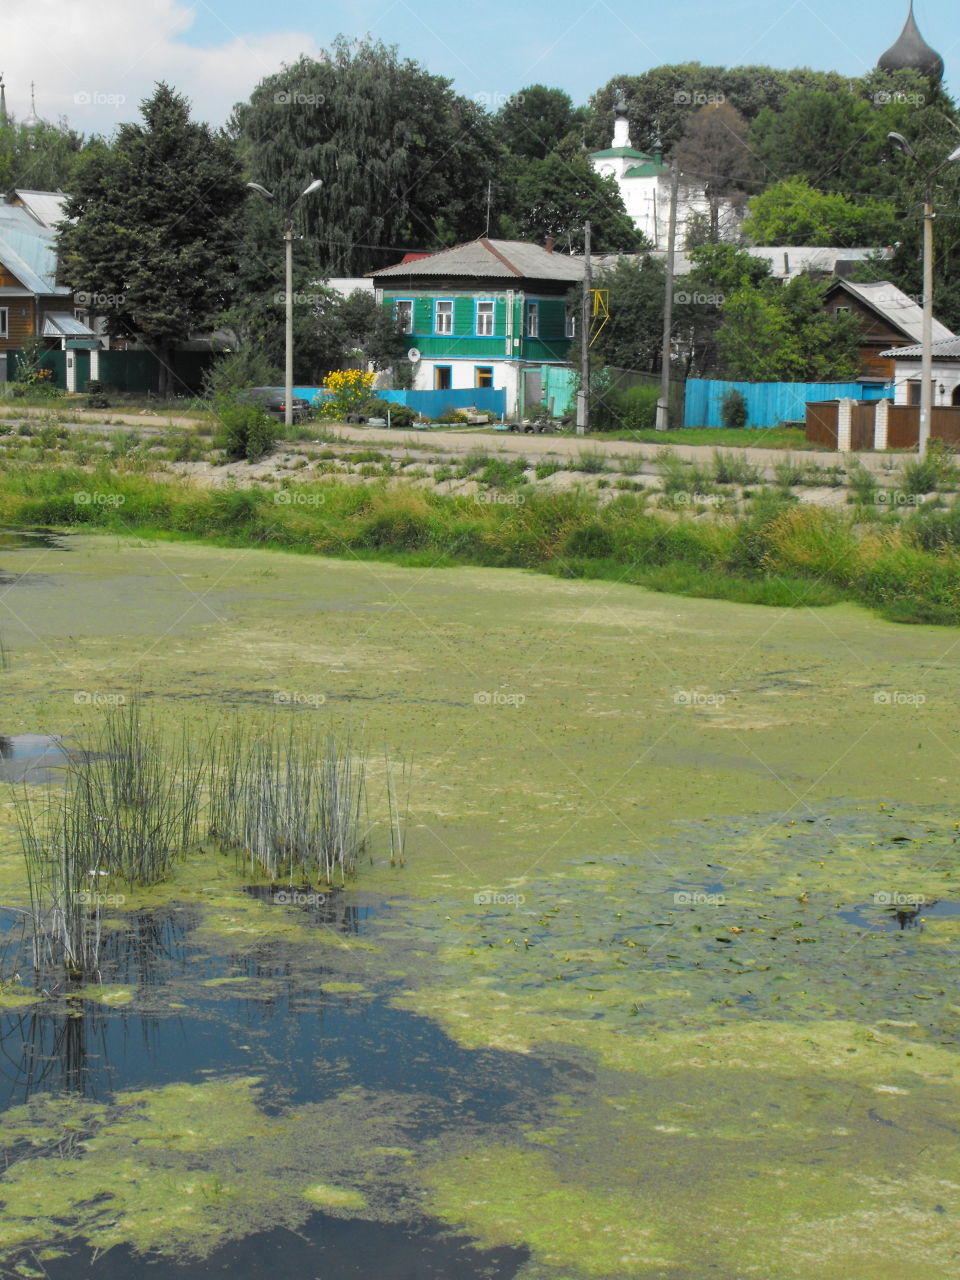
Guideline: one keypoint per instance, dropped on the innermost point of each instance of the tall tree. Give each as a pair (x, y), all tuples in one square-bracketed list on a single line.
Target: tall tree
[(40, 157), (631, 336), (713, 153), (403, 159), (793, 212), (154, 225), (533, 122), (554, 197)]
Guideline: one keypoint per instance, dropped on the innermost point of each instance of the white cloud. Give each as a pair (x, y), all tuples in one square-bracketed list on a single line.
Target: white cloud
[(94, 63)]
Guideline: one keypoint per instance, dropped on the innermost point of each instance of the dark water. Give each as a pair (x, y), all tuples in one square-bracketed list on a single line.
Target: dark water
[(305, 1045)]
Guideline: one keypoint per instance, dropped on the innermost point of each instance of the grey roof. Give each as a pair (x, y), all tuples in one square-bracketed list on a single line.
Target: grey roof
[(28, 251), (786, 261), (947, 349), (61, 324), (895, 306), (493, 259), (911, 52), (46, 206)]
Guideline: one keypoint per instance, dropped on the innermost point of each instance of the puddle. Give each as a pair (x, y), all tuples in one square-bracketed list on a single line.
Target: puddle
[(886, 916), (32, 757), (20, 539)]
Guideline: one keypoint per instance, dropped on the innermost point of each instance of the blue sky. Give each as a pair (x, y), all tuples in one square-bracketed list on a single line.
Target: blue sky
[(95, 63)]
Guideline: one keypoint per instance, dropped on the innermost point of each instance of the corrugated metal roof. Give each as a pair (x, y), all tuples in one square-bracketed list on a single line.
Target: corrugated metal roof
[(895, 306), (28, 251), (46, 206), (494, 259), (948, 349), (60, 324)]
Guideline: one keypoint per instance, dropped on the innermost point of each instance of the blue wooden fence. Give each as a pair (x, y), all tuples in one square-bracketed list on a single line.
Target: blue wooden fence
[(432, 403), (769, 403)]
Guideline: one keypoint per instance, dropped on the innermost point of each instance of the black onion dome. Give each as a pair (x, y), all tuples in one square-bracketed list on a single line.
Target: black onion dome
[(912, 53)]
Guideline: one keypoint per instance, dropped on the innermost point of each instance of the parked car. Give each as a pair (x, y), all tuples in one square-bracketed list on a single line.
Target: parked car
[(275, 403)]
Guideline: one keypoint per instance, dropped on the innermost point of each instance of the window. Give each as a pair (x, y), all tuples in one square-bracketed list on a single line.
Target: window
[(4, 322), (532, 326), (441, 377), (570, 328), (404, 315), (443, 318), (485, 311), (841, 311), (484, 375)]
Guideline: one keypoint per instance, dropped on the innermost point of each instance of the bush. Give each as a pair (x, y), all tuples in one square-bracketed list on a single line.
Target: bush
[(733, 409), (247, 367), (732, 468), (627, 409), (400, 415), (248, 431)]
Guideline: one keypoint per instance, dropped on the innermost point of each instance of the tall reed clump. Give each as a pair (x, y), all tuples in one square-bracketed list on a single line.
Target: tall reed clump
[(294, 805), (128, 808)]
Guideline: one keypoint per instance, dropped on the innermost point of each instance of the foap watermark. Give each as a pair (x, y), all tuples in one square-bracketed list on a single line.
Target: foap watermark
[(82, 498), (494, 698), (294, 498), (884, 97), (298, 898), (91, 698), (493, 898), (697, 98), (885, 899), (298, 299), (694, 698), (687, 898), (93, 898), (685, 499), (92, 300), (897, 498), (497, 498), (498, 100), (97, 98), (684, 298), (294, 98), (294, 698), (898, 698)]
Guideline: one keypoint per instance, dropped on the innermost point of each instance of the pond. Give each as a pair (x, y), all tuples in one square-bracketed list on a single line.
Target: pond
[(664, 988)]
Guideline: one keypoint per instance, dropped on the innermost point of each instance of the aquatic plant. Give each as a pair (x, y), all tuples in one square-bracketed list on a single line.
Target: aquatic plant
[(293, 805)]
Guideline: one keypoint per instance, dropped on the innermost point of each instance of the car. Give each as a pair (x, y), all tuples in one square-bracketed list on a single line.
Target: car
[(275, 403)]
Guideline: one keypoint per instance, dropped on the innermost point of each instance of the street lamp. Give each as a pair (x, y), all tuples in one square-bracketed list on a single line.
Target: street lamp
[(926, 360), (288, 240)]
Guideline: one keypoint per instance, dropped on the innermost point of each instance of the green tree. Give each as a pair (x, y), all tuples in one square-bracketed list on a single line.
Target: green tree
[(403, 159), (713, 153), (153, 235), (533, 122), (554, 197), (793, 212), (44, 157), (630, 337)]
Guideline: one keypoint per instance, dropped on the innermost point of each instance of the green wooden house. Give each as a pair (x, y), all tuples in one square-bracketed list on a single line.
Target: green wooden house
[(488, 314)]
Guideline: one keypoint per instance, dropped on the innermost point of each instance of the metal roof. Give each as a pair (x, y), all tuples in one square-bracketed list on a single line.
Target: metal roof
[(948, 349), (46, 206), (494, 259), (895, 306), (626, 153), (28, 251), (60, 324)]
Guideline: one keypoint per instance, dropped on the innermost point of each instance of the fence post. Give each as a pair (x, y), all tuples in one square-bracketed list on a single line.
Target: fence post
[(880, 424), (844, 413)]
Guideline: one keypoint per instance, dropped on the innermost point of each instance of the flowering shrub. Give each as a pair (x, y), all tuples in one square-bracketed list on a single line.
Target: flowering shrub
[(348, 389)]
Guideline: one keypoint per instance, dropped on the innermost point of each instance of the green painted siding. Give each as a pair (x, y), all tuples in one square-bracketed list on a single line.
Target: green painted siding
[(551, 343)]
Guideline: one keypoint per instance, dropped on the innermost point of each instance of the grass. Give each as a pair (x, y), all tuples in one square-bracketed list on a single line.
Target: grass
[(908, 570), (722, 437), (732, 468)]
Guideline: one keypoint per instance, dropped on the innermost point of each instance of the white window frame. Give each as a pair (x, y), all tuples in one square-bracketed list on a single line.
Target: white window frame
[(570, 323), (531, 320), (448, 316), (490, 315), (404, 302)]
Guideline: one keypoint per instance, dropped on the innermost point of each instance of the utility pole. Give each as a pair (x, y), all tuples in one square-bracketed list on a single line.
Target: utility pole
[(583, 395), (663, 404), (926, 361)]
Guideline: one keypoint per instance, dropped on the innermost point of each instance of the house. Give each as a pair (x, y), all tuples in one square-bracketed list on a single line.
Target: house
[(45, 207), (888, 318), (487, 314), (32, 304), (945, 372), (645, 186)]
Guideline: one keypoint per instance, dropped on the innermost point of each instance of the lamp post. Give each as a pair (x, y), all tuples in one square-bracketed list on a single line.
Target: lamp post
[(288, 295), (926, 359)]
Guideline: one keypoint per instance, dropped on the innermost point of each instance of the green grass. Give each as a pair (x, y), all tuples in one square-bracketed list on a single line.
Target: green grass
[(720, 437), (781, 553)]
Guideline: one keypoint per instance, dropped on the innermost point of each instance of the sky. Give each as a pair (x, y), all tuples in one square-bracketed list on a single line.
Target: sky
[(95, 62)]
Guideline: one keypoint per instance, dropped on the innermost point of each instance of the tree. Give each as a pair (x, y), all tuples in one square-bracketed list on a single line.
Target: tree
[(403, 159), (154, 233), (713, 154), (793, 212), (42, 157), (718, 271), (554, 197), (533, 122), (631, 336)]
